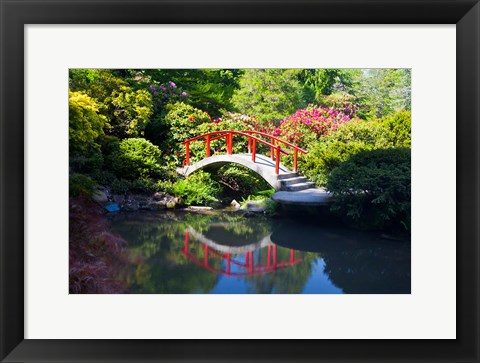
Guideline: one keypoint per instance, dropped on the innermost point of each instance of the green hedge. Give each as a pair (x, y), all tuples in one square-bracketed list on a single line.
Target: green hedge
[(373, 188)]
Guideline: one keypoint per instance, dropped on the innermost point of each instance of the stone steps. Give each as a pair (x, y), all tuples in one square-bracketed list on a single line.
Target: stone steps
[(284, 176), (299, 186), (294, 180)]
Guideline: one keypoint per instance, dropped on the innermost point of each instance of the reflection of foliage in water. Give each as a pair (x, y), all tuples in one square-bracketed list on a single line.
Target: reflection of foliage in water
[(157, 240), (355, 261), (379, 269)]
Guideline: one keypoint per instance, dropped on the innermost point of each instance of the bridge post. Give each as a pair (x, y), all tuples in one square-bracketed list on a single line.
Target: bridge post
[(272, 141), (277, 161), (254, 149), (295, 154), (249, 144), (229, 143), (187, 153), (207, 142)]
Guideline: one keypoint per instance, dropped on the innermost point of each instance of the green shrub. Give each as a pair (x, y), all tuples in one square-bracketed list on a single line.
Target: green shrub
[(104, 178), (372, 188), (120, 186), (263, 196), (399, 128), (87, 161), (143, 185), (351, 138), (197, 188), (136, 158), (241, 179), (81, 184), (339, 145), (180, 123)]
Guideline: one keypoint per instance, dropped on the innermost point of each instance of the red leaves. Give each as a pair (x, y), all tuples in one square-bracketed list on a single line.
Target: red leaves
[(95, 254)]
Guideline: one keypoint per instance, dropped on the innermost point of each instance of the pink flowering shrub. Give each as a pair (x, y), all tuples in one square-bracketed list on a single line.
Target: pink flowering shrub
[(305, 126), (345, 103)]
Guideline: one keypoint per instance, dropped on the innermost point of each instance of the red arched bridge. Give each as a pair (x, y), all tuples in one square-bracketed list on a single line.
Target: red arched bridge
[(269, 167)]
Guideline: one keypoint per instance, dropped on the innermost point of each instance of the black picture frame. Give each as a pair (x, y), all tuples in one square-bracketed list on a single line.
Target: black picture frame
[(16, 13)]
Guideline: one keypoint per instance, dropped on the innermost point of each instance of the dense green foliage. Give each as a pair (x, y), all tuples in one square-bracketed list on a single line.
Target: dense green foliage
[(181, 123), (126, 110), (373, 187), (208, 89), (80, 184), (136, 158), (324, 82), (382, 92), (241, 179), (85, 124), (269, 94), (197, 188)]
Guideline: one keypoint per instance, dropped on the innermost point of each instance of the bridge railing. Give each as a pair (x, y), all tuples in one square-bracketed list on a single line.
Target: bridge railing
[(275, 149)]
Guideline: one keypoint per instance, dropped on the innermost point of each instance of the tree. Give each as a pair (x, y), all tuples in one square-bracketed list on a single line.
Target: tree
[(85, 123), (269, 94), (324, 82), (383, 92), (208, 89)]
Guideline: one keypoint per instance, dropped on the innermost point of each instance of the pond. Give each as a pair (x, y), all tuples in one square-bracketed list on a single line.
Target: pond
[(227, 253)]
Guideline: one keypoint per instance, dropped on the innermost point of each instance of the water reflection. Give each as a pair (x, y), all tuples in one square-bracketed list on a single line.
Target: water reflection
[(228, 253), (247, 260)]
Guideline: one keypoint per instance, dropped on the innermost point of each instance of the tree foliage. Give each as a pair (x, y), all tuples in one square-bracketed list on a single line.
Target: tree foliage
[(126, 110), (324, 82), (383, 92), (208, 89), (85, 123), (269, 94)]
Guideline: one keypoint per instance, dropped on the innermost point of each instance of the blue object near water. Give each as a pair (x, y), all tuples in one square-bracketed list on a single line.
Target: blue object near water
[(112, 207)]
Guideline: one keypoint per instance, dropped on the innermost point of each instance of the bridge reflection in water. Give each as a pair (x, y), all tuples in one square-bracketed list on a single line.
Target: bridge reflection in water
[(255, 262)]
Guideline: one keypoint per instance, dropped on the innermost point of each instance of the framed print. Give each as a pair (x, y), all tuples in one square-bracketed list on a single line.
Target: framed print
[(399, 303)]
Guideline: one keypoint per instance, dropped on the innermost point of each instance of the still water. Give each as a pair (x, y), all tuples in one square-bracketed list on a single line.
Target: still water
[(226, 253)]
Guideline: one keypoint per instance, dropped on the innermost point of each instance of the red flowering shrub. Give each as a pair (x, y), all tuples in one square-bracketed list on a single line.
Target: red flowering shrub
[(305, 126)]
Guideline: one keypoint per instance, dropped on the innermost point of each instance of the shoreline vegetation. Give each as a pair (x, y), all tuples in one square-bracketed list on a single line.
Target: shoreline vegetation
[(125, 134)]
